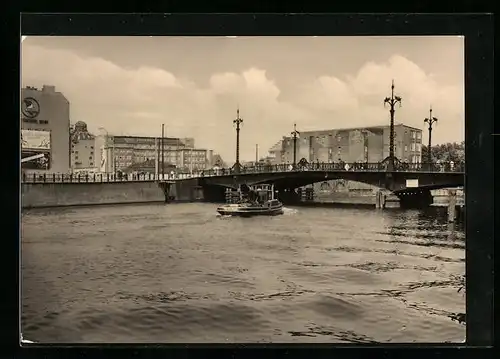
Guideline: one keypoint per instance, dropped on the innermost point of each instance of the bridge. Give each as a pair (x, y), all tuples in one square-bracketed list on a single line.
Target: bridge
[(412, 183)]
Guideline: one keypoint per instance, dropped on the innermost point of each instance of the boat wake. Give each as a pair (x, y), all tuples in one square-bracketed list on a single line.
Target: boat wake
[(221, 216), (289, 211)]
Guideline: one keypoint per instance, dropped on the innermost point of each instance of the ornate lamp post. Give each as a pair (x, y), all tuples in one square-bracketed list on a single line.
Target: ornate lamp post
[(238, 121), (364, 132), (295, 134), (392, 101), (339, 147), (431, 120)]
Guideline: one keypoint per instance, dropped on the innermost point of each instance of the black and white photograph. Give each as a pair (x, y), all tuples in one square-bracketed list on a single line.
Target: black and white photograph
[(242, 189)]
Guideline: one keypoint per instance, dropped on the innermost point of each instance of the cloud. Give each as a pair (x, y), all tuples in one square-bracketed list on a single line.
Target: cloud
[(138, 100)]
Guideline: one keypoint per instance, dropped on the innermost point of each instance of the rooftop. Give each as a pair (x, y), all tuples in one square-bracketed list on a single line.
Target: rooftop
[(360, 128)]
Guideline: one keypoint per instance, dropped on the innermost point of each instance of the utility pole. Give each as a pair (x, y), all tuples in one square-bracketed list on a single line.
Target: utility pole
[(431, 120), (162, 151), (392, 101), (256, 153), (295, 134), (238, 121)]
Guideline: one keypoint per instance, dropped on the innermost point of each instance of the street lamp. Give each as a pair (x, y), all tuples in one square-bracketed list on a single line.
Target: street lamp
[(339, 148), (113, 163), (392, 101), (431, 120), (162, 151), (365, 144), (295, 135), (238, 121)]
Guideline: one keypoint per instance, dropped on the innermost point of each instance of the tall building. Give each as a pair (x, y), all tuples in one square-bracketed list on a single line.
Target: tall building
[(83, 155), (45, 130), (366, 144), (121, 153)]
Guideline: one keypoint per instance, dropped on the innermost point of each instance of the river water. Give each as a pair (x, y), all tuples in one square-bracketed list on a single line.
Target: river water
[(180, 273)]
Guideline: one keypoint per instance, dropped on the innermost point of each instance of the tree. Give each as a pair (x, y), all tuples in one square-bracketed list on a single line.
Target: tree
[(445, 152)]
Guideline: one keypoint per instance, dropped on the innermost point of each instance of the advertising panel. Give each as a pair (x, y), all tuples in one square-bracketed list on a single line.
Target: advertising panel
[(104, 157), (35, 149), (35, 160), (35, 140)]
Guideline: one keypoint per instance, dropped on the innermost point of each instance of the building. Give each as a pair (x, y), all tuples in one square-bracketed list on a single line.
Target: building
[(83, 157), (217, 161), (45, 130), (367, 144), (119, 153)]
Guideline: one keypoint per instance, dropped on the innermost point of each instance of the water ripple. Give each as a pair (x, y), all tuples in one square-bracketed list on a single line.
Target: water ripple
[(178, 273)]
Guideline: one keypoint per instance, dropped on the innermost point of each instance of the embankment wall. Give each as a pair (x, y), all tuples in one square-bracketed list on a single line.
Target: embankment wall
[(34, 195)]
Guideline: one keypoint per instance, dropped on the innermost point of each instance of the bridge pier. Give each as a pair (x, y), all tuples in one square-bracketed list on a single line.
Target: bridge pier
[(380, 200), (166, 187), (452, 205), (421, 198), (289, 196)]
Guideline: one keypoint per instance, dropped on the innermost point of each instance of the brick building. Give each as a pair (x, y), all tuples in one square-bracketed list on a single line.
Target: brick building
[(367, 144)]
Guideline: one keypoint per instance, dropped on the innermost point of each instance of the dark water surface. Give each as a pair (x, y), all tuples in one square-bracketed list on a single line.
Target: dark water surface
[(180, 273)]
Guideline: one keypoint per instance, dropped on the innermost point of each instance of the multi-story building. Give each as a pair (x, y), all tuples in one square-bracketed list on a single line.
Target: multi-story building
[(367, 144), (45, 128), (83, 157), (191, 159), (119, 153)]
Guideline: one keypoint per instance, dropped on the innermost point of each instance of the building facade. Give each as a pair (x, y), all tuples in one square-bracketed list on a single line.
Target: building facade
[(368, 144), (45, 130), (83, 153), (120, 153)]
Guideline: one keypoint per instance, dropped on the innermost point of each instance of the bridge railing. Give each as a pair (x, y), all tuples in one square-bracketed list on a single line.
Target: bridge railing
[(448, 167), (101, 177)]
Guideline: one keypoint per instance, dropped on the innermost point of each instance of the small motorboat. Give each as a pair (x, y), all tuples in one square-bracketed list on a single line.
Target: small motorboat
[(253, 201)]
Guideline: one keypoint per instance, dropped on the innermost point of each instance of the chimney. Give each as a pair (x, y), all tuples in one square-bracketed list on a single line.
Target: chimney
[(47, 88)]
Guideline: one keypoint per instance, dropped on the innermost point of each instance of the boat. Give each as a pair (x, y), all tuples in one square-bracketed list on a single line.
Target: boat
[(252, 201)]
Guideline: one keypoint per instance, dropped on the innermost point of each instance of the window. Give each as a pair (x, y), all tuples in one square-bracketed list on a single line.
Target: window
[(419, 135), (90, 157), (92, 147), (91, 163), (406, 148), (419, 147), (72, 151), (413, 134), (91, 152)]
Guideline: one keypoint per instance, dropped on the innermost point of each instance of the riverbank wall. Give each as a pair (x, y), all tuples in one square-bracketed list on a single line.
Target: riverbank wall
[(39, 195)]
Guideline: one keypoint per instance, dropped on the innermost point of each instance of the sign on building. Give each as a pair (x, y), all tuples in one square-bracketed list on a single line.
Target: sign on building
[(411, 183), (35, 149), (35, 140)]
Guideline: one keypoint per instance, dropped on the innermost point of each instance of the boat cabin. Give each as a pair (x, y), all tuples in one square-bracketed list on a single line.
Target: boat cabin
[(265, 192)]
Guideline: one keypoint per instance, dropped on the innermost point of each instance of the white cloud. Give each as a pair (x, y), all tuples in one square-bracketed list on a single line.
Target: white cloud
[(139, 100)]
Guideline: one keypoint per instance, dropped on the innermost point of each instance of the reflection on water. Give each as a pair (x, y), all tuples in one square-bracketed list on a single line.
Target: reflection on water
[(180, 273)]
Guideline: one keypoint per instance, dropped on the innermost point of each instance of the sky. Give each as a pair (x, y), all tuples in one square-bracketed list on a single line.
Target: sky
[(194, 85)]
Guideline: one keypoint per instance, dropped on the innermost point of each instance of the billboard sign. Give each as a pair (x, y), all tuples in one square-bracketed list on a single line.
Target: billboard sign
[(35, 140), (35, 160), (104, 157)]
